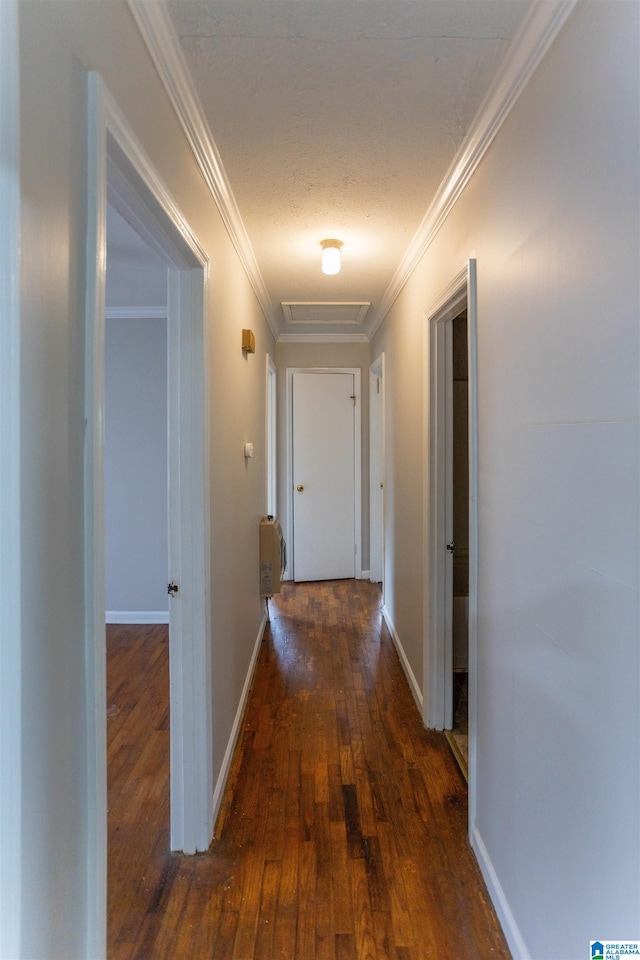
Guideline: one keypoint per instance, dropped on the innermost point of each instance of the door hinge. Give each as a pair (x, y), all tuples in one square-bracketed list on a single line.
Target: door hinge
[(173, 589), (354, 398)]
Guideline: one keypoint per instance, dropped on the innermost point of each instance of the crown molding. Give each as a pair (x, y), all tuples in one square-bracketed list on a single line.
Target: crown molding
[(157, 31), (536, 34), (455, 293), (323, 338), (135, 313)]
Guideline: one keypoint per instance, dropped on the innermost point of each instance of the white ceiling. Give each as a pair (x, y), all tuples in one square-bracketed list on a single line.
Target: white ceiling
[(332, 118)]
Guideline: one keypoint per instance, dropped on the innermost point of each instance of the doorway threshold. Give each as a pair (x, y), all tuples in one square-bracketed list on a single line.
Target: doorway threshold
[(458, 737), (459, 744)]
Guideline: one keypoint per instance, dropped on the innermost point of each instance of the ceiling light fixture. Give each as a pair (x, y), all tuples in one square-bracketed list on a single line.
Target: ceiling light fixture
[(331, 256)]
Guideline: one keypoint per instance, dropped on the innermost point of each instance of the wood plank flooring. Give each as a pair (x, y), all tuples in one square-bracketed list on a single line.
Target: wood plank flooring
[(342, 834)]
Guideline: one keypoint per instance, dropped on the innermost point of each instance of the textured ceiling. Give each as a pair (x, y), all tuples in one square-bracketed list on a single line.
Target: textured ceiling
[(335, 118), (339, 119)]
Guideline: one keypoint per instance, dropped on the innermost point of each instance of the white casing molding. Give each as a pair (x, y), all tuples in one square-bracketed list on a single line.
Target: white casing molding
[(437, 654), (270, 437), (377, 472), (436, 462), (157, 31), (537, 33)]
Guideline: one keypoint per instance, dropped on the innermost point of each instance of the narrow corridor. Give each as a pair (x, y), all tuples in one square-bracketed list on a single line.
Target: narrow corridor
[(343, 831)]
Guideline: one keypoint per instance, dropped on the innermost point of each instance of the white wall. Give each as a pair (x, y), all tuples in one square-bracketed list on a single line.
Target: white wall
[(58, 43), (135, 470), (552, 217), (10, 572)]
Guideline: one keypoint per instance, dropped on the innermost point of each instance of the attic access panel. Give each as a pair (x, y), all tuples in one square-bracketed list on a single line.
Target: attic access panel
[(325, 311)]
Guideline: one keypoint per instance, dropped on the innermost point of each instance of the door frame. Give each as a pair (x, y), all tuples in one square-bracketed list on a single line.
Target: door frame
[(271, 437), (357, 473), (118, 165), (438, 393), (377, 442)]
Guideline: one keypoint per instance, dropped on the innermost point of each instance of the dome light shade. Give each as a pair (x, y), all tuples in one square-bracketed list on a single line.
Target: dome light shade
[(331, 256)]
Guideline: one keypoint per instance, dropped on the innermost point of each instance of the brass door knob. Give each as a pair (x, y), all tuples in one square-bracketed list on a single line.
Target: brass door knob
[(299, 488)]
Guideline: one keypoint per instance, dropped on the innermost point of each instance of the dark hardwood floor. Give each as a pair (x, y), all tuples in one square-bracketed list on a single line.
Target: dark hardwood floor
[(343, 831)]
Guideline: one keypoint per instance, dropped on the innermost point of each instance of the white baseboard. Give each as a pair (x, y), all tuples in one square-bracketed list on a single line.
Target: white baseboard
[(365, 575), (413, 683), (235, 730), (505, 916), (136, 616)]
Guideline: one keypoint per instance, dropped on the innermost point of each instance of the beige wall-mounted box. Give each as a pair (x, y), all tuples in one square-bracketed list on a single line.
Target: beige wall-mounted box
[(248, 341), (272, 556)]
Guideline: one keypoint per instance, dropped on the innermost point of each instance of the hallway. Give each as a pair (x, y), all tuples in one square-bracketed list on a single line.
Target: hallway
[(343, 831)]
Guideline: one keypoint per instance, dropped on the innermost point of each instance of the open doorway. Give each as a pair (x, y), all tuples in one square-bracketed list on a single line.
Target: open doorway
[(136, 430), (136, 561), (119, 171), (451, 518), (456, 725), (147, 209)]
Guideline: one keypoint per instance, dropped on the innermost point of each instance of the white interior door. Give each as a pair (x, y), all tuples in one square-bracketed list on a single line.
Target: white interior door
[(324, 535)]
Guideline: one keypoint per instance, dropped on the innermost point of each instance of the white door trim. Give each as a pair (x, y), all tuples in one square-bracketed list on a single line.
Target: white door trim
[(117, 162), (437, 680), (472, 353), (10, 579), (357, 493), (377, 454), (271, 438), (190, 657)]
